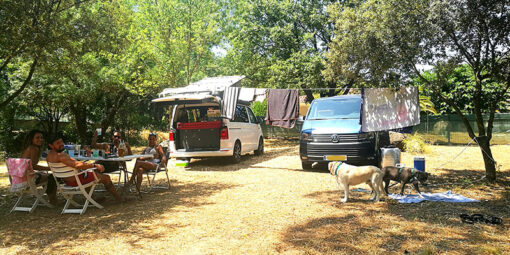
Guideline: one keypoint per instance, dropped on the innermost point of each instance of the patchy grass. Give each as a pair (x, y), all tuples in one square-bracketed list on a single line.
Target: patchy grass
[(267, 205)]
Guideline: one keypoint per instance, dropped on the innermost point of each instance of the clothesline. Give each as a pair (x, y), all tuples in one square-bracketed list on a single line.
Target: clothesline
[(306, 88)]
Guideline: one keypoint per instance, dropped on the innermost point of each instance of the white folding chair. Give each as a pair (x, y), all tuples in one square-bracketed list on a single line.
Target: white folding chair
[(161, 168), (61, 170), (25, 187)]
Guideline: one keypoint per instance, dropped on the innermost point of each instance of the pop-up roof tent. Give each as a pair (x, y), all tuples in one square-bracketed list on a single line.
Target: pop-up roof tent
[(211, 88)]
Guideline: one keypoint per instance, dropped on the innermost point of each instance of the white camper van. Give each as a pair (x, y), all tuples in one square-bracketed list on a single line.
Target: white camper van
[(197, 127)]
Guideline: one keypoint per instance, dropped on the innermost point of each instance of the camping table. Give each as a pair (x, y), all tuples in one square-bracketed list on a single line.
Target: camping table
[(116, 159)]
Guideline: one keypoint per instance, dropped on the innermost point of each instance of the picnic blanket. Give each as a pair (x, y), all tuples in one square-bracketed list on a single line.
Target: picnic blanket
[(437, 197)]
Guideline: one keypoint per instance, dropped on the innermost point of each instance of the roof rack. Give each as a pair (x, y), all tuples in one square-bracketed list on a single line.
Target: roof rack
[(208, 86)]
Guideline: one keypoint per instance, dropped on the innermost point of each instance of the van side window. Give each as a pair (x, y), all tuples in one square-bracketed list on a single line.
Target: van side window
[(241, 115), (251, 116)]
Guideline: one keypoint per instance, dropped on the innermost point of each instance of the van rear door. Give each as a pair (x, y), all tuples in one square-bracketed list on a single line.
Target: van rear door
[(196, 127)]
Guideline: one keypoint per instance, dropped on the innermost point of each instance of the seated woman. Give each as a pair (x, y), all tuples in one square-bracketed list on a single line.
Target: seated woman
[(32, 150), (146, 164)]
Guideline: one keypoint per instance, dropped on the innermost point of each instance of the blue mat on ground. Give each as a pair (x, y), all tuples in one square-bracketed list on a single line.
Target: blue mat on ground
[(437, 197)]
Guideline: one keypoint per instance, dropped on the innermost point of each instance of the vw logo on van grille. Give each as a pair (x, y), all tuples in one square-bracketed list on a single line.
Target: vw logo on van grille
[(335, 138)]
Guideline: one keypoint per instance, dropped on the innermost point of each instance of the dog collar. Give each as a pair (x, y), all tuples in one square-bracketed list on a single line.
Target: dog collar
[(337, 167)]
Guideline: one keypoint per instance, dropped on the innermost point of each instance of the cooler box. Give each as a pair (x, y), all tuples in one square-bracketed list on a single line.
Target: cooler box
[(419, 163)]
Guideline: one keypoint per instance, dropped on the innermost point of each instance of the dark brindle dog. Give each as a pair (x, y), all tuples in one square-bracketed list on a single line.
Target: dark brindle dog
[(403, 175)]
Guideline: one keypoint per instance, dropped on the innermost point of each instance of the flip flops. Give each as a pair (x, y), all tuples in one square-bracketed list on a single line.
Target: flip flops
[(476, 217)]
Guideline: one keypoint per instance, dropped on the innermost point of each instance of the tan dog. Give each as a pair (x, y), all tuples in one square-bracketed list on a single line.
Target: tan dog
[(347, 175)]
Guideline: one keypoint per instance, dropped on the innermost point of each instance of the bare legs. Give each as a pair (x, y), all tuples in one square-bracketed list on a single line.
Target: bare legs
[(140, 167), (107, 182), (51, 188)]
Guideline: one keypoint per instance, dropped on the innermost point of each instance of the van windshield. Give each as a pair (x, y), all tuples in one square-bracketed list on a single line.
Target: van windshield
[(337, 108)]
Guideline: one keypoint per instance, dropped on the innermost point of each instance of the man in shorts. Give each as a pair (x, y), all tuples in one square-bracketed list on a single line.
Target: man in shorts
[(113, 147), (56, 155)]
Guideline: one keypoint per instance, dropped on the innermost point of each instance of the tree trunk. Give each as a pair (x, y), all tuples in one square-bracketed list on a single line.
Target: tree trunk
[(79, 111), (308, 93), (490, 166), (113, 109)]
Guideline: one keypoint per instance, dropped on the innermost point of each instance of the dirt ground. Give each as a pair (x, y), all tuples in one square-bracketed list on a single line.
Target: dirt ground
[(268, 205)]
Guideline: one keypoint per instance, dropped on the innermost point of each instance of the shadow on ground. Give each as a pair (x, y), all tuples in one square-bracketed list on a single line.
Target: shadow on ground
[(47, 226), (250, 161), (226, 163), (433, 227)]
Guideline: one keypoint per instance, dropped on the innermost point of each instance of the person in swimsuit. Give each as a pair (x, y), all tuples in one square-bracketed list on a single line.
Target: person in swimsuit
[(56, 155), (146, 164), (32, 150)]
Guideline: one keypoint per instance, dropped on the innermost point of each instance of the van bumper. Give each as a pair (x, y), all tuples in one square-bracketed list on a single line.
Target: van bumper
[(358, 153), (201, 154)]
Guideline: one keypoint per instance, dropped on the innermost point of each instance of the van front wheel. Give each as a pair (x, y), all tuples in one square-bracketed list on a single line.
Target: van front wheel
[(306, 165), (236, 155)]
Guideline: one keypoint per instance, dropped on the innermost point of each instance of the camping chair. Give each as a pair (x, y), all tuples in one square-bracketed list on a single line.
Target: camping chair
[(121, 170), (159, 169), (24, 185), (61, 170)]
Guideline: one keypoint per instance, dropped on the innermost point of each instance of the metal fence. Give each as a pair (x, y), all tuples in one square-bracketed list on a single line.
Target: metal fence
[(449, 129), (443, 129)]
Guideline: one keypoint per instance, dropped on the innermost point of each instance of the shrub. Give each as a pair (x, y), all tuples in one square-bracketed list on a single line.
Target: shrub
[(415, 143), (259, 108)]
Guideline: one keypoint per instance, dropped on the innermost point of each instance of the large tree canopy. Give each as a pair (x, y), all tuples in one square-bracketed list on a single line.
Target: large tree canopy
[(280, 44), (29, 29), (384, 43)]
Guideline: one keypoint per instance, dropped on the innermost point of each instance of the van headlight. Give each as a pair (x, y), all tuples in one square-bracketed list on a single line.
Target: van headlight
[(306, 137), (366, 136)]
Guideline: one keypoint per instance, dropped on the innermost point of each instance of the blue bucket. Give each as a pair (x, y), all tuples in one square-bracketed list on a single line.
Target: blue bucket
[(419, 163)]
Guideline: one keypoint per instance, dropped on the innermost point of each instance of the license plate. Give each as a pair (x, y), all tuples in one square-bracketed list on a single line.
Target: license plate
[(335, 157)]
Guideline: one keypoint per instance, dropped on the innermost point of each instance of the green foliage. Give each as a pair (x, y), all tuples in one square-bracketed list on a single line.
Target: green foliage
[(10, 139), (279, 44), (179, 36), (415, 143), (259, 108), (460, 88), (30, 31), (426, 103), (383, 43)]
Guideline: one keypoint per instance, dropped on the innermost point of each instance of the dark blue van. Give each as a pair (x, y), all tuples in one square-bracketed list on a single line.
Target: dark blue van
[(332, 132)]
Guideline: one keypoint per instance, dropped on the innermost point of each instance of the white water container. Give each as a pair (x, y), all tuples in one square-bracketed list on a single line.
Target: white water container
[(390, 157)]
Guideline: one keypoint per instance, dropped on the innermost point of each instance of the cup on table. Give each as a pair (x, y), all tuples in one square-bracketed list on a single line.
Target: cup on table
[(71, 153), (98, 131), (95, 153), (121, 152)]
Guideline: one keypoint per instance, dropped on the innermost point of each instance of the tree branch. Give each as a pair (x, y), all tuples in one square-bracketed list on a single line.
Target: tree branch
[(461, 48), (25, 83), (448, 101)]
